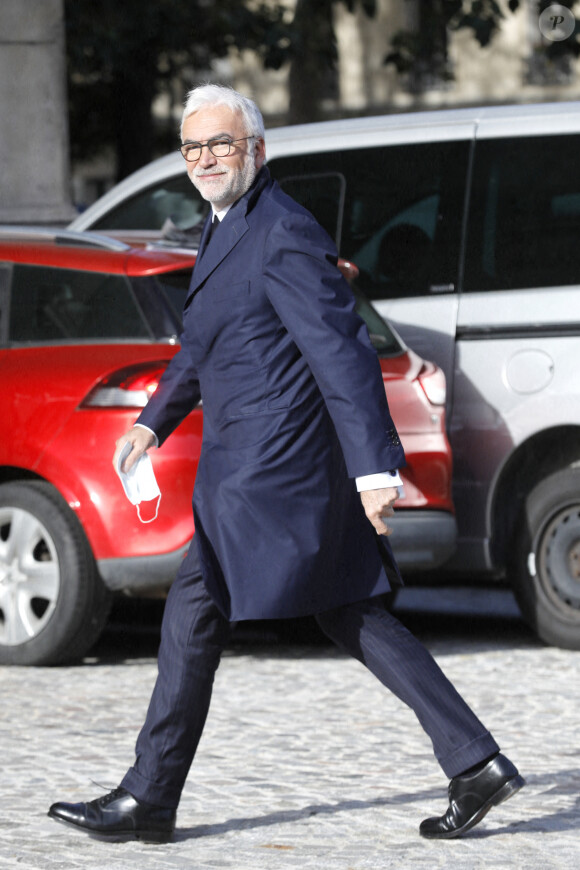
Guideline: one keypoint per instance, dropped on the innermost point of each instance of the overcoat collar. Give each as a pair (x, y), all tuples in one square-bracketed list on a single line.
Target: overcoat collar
[(231, 230)]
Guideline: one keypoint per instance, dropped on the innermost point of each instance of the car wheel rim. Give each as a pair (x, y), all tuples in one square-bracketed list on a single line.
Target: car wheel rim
[(29, 576), (559, 561)]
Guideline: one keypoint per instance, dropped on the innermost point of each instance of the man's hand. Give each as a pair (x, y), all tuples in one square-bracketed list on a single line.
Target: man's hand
[(140, 439), (378, 503)]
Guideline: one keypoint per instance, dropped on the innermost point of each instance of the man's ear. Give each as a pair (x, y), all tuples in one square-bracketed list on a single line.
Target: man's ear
[(259, 152)]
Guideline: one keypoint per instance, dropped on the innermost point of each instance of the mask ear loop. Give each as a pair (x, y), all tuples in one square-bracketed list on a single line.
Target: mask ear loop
[(152, 518)]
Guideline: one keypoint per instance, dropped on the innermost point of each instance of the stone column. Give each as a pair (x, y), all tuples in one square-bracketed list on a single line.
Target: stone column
[(34, 150)]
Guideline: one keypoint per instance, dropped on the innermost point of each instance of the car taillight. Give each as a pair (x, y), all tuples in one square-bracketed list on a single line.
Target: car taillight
[(130, 387), (432, 381)]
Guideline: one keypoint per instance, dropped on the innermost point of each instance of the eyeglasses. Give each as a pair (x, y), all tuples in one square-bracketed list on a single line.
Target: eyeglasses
[(220, 147)]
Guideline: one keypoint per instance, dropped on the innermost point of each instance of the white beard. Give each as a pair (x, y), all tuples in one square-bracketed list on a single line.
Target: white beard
[(232, 184)]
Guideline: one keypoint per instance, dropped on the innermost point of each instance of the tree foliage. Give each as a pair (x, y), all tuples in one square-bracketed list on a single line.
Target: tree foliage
[(121, 54), (313, 54), (422, 54)]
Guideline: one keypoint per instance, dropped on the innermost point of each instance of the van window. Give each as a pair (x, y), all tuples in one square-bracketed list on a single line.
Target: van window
[(394, 211), (524, 221), (322, 194), (175, 198)]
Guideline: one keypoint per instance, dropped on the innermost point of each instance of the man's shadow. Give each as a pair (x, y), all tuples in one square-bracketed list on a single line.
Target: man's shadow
[(567, 819), (290, 816), (560, 820)]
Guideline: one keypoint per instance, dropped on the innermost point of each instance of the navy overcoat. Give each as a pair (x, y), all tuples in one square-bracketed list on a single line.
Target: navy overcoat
[(294, 409)]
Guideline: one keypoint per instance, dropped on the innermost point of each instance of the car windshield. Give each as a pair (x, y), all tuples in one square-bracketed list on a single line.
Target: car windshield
[(59, 305), (174, 287)]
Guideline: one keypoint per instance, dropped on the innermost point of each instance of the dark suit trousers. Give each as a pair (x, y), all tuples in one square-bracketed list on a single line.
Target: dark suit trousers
[(194, 633)]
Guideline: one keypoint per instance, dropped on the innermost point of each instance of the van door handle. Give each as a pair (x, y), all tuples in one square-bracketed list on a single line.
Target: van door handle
[(441, 288)]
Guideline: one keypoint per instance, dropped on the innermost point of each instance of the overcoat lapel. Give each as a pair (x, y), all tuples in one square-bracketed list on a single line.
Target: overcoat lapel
[(225, 239), (205, 234), (233, 227)]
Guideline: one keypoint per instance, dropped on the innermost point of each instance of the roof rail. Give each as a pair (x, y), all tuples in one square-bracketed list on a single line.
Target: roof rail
[(64, 237)]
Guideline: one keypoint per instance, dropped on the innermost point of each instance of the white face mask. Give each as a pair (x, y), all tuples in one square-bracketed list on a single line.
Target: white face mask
[(139, 482)]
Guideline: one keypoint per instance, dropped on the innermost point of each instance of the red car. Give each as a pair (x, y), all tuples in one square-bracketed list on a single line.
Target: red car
[(88, 325)]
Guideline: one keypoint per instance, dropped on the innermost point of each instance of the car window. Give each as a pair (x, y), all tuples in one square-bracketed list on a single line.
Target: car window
[(4, 297), (383, 339), (397, 210), (55, 305), (173, 286), (524, 221), (175, 199)]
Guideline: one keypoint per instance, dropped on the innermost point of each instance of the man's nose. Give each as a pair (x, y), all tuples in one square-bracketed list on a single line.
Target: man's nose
[(206, 157)]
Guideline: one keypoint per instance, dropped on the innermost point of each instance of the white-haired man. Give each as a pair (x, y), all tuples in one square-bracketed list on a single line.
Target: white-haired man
[(297, 475)]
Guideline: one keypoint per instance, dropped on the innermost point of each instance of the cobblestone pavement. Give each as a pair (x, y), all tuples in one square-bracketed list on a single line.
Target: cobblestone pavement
[(306, 762)]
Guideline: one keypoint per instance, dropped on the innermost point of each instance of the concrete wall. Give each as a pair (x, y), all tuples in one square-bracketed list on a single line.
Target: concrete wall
[(34, 153)]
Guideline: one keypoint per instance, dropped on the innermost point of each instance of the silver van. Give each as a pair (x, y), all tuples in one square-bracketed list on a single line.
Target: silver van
[(465, 227)]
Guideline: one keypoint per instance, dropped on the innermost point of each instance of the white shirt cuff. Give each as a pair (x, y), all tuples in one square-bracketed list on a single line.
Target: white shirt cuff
[(379, 481), (142, 426)]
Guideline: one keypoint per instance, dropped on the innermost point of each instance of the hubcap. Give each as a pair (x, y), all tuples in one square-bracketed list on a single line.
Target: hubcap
[(29, 576), (559, 560), (574, 561)]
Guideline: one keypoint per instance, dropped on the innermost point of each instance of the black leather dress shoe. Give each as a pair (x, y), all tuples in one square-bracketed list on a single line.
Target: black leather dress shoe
[(118, 816), (472, 796)]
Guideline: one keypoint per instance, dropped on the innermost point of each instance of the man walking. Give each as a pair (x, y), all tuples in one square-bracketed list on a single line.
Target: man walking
[(296, 480)]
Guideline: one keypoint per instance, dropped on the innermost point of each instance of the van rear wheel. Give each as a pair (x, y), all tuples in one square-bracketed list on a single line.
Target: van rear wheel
[(545, 564)]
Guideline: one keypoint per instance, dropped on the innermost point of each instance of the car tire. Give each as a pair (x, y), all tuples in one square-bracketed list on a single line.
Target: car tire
[(545, 567), (53, 604)]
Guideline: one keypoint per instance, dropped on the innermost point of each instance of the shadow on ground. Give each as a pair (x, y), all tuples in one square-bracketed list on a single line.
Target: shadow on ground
[(477, 616)]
